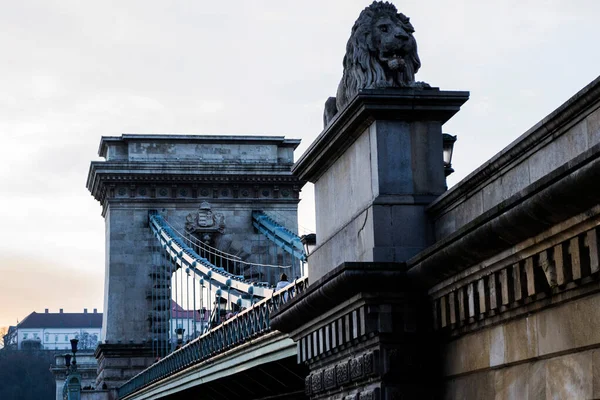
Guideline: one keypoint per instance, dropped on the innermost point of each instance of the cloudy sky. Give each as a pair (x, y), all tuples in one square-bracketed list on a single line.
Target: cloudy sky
[(74, 70)]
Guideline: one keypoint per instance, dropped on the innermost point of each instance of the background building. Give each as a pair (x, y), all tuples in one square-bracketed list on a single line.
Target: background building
[(53, 331), (193, 321)]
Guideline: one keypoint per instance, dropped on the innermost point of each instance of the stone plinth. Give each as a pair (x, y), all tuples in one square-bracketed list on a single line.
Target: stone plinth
[(359, 332), (117, 363), (375, 169), (87, 367)]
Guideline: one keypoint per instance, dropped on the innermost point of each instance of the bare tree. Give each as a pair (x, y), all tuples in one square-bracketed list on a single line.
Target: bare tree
[(87, 341)]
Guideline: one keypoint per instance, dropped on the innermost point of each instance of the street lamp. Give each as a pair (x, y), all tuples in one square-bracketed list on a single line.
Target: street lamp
[(67, 362), (179, 333), (72, 386), (448, 147), (309, 241), (74, 343)]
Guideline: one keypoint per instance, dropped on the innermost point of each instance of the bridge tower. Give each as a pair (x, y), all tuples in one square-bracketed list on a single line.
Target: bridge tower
[(205, 186)]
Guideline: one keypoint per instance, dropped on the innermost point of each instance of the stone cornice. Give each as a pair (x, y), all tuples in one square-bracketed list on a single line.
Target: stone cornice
[(370, 105), (337, 286), (554, 270), (152, 174), (106, 350), (514, 153), (564, 193)]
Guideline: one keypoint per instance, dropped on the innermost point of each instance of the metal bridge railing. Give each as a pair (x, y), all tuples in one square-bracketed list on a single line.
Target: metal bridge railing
[(248, 324)]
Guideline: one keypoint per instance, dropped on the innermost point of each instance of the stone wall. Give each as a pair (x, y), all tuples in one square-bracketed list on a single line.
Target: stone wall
[(514, 277), (551, 354)]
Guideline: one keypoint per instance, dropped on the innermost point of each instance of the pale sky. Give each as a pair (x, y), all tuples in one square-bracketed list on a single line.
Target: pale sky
[(75, 70)]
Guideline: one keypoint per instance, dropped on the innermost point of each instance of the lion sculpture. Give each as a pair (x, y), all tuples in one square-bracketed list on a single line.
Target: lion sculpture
[(381, 53)]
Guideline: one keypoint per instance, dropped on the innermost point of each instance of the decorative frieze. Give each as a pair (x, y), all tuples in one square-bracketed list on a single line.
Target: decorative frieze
[(343, 373), (112, 184), (558, 268), (132, 191)]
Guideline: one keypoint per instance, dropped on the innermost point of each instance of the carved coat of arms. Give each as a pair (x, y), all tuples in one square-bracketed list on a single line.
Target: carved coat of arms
[(205, 220)]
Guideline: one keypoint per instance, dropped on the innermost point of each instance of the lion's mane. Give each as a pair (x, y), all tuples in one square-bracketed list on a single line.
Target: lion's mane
[(362, 67)]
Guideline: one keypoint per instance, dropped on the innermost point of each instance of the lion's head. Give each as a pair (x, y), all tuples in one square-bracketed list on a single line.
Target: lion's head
[(381, 52)]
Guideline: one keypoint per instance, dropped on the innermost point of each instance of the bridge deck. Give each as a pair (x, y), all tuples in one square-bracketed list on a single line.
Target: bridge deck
[(265, 366)]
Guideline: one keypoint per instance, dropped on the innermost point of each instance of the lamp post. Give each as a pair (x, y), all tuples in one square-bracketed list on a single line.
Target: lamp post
[(448, 148), (72, 387), (309, 241), (218, 301), (202, 313)]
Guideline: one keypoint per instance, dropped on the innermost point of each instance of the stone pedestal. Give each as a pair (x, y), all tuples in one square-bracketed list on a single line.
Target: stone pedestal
[(375, 168), (359, 332), (117, 363)]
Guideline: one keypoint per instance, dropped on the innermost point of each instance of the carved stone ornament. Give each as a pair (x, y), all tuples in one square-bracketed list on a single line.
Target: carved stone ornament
[(342, 373), (205, 222), (316, 382), (329, 378), (356, 368), (381, 53), (307, 385), (368, 363)]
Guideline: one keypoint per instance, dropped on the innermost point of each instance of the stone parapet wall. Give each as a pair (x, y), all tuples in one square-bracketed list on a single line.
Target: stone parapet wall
[(199, 148), (552, 269), (560, 137)]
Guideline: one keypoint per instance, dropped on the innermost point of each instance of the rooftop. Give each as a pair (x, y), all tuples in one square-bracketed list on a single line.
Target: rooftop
[(62, 320)]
